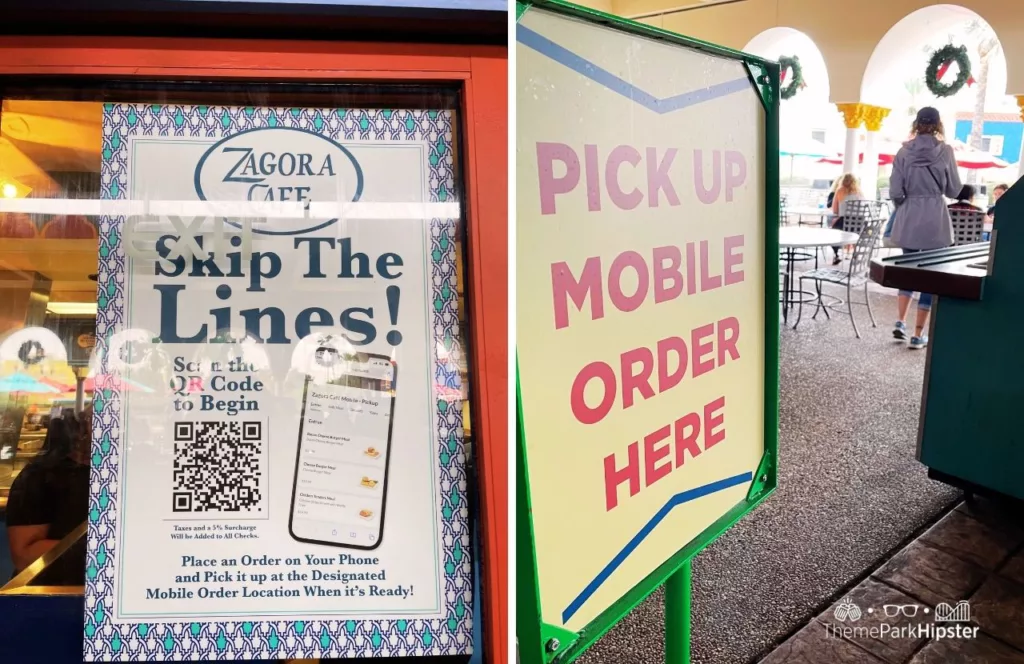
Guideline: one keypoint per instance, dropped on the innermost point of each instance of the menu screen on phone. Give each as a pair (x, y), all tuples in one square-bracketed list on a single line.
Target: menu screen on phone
[(344, 444)]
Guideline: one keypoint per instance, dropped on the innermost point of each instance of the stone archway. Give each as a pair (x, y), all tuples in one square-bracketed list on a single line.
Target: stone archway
[(809, 116), (779, 41), (894, 74)]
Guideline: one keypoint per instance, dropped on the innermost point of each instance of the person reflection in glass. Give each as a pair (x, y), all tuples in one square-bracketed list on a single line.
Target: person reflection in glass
[(50, 498)]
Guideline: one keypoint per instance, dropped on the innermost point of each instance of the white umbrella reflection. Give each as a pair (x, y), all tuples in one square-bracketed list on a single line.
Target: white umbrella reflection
[(230, 347), (304, 357), (133, 360), (254, 354), (127, 349)]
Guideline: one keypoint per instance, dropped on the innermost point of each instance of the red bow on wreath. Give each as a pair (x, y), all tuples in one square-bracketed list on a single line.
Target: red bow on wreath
[(782, 78), (945, 67)]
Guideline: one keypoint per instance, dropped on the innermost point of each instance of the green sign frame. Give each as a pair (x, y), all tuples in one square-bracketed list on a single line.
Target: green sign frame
[(539, 643)]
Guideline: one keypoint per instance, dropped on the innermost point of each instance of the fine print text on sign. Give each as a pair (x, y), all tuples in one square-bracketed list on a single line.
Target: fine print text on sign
[(641, 312), (279, 473)]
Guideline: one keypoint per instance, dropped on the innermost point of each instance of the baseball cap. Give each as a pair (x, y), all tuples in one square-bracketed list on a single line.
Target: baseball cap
[(928, 116)]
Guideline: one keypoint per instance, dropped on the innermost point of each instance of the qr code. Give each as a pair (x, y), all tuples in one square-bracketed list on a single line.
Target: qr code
[(218, 467)]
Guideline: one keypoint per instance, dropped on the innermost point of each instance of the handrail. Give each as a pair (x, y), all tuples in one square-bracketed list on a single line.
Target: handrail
[(19, 585)]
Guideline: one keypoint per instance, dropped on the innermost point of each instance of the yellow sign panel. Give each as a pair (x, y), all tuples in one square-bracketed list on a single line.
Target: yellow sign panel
[(640, 311)]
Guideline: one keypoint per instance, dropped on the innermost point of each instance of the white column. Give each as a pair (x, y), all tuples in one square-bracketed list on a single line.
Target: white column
[(1020, 162), (869, 170), (851, 152)]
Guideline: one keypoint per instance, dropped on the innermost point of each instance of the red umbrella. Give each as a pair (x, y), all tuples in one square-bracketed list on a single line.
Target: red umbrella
[(62, 386), (883, 159), (448, 393), (887, 149), (966, 156), (973, 158)]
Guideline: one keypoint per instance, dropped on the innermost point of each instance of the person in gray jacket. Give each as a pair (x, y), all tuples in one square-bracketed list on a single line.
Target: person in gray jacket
[(923, 173)]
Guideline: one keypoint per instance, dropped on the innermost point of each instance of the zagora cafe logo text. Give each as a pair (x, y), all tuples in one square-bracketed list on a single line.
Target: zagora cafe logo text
[(279, 165)]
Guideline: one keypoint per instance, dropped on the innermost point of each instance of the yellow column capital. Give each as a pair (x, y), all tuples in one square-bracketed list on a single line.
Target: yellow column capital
[(853, 114), (874, 116)]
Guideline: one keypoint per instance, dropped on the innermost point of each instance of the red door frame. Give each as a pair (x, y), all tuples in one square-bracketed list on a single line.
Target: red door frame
[(483, 74)]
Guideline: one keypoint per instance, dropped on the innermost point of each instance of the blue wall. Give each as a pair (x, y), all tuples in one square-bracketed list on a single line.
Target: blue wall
[(1012, 132)]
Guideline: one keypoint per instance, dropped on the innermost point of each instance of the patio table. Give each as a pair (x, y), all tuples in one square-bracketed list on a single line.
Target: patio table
[(792, 238), (823, 214)]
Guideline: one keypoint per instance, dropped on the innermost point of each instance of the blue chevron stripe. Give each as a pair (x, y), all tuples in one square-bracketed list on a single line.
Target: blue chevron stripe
[(620, 557), (603, 77)]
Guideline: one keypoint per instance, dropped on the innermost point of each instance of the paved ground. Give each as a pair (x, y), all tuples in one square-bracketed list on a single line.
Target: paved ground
[(850, 492), (975, 554)]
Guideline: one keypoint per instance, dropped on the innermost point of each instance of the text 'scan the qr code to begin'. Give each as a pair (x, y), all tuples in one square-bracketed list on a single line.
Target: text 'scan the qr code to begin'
[(219, 467)]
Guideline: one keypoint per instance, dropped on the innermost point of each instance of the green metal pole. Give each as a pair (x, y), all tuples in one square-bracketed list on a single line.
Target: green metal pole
[(677, 617)]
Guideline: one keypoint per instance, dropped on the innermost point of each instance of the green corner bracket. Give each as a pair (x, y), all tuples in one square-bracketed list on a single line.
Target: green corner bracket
[(557, 640), (521, 8), (765, 479), (760, 76)]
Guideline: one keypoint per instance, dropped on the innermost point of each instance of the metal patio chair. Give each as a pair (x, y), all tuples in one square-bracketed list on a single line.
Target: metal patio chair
[(855, 276), (968, 225), (783, 292), (859, 214)]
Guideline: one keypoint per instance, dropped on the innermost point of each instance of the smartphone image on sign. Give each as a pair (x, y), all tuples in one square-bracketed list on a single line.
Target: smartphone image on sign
[(341, 468)]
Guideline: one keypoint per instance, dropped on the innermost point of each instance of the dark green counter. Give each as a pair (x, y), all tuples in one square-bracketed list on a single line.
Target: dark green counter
[(971, 431)]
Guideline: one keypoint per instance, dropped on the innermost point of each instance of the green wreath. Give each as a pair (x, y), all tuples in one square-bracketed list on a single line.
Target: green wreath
[(31, 352), (796, 83), (940, 62)]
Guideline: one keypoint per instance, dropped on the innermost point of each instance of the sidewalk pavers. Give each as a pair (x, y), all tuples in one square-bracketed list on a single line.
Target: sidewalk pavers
[(974, 553)]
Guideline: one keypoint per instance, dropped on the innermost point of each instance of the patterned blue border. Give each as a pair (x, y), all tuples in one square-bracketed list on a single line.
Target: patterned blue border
[(281, 639)]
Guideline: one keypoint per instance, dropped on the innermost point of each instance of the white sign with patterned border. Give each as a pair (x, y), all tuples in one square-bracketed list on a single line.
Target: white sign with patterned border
[(201, 375)]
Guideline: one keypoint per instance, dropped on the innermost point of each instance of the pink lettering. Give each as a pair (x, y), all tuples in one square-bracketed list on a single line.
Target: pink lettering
[(664, 269), (708, 281), (636, 380), (585, 414), (621, 301), (657, 177), (619, 155), (691, 268), (713, 417), (593, 179), (565, 287), (653, 453), (702, 349), (666, 379), (707, 196), (613, 476), (667, 273), (728, 334), (733, 259), (551, 186), (735, 172), (687, 442)]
